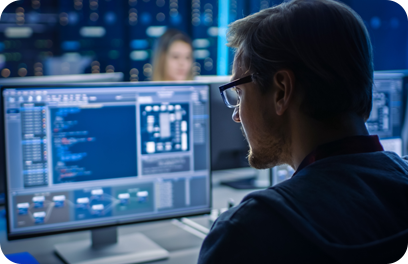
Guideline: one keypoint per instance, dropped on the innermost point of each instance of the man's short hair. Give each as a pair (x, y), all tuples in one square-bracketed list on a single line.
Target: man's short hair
[(324, 43)]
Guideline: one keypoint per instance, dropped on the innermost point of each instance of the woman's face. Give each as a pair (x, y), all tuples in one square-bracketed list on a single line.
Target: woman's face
[(178, 61)]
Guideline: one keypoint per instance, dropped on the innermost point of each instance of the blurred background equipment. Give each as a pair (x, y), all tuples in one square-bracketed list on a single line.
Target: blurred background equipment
[(54, 37)]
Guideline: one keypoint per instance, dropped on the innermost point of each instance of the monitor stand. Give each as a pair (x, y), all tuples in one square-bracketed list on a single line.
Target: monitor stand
[(106, 246)]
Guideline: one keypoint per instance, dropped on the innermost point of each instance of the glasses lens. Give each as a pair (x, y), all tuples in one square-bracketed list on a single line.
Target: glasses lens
[(231, 96)]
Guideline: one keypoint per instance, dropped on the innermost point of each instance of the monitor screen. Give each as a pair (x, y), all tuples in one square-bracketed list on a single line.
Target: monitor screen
[(393, 145), (97, 155), (64, 79), (387, 112), (281, 173), (41, 80)]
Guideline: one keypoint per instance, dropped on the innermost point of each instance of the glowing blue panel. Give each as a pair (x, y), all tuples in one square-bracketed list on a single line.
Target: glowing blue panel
[(223, 18)]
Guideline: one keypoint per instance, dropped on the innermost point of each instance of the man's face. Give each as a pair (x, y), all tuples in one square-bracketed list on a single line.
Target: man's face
[(262, 127)]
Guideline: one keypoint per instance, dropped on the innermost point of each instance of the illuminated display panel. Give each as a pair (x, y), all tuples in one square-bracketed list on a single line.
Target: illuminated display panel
[(88, 156), (386, 118)]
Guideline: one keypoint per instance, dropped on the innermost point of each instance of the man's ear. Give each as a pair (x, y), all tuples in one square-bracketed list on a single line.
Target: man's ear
[(284, 82)]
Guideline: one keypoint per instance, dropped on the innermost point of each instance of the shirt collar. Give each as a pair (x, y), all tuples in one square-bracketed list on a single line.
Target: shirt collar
[(348, 145)]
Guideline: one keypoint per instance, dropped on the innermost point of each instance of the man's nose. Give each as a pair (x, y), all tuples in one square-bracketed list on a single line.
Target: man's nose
[(235, 115)]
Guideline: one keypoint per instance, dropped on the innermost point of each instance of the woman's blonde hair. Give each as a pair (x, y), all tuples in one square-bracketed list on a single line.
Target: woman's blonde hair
[(161, 49)]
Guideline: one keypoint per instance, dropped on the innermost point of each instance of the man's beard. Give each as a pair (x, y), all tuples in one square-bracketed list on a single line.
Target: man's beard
[(270, 152)]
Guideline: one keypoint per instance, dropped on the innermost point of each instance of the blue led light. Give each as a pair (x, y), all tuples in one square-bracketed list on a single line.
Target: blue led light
[(73, 18), (110, 18), (146, 18), (375, 22), (394, 22), (176, 19)]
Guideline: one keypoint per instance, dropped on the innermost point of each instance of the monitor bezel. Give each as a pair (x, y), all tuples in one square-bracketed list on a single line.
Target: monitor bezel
[(14, 236)]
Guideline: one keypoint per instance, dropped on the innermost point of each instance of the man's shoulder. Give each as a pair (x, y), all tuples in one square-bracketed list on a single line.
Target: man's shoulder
[(248, 232), (367, 157), (374, 163), (251, 209), (235, 214)]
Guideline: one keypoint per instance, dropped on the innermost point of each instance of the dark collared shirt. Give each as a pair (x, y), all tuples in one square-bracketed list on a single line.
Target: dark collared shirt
[(345, 146), (347, 204)]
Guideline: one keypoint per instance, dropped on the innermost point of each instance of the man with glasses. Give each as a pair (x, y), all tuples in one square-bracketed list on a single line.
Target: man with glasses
[(302, 91)]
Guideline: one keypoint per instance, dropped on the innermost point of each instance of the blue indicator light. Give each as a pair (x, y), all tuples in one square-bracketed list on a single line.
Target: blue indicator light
[(110, 18), (146, 18), (176, 19)]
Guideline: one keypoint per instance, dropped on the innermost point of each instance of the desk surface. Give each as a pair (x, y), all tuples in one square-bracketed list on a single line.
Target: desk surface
[(183, 246)]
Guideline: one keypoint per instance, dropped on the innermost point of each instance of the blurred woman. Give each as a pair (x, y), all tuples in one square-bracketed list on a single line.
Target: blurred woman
[(173, 57)]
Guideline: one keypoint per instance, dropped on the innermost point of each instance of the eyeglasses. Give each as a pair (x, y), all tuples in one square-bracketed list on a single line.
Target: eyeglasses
[(229, 93)]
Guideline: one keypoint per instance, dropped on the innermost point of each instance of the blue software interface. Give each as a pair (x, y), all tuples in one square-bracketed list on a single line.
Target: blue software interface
[(86, 156), (387, 111)]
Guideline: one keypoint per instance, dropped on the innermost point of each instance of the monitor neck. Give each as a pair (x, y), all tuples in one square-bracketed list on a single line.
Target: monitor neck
[(104, 236)]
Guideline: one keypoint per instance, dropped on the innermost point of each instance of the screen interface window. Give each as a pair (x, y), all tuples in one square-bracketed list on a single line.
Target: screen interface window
[(386, 114), (80, 156)]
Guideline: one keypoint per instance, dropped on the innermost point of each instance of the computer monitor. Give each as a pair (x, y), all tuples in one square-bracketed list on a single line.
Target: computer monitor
[(229, 148), (387, 111), (91, 156), (281, 173), (41, 80), (392, 144), (386, 119), (213, 78), (388, 114), (64, 79)]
